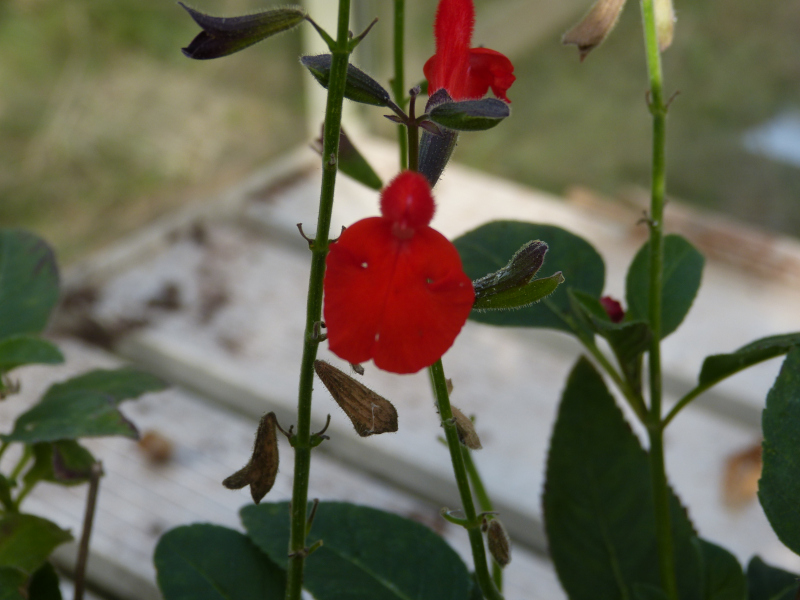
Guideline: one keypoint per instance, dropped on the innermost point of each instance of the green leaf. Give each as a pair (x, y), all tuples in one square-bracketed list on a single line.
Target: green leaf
[(683, 269), (222, 36), (723, 576), (27, 350), (470, 115), (26, 541), (353, 164), (720, 366), (209, 562), (64, 462), (359, 86), (779, 488), (85, 406), (598, 504), (44, 584), (765, 582), (28, 283), (536, 290), (367, 554), (648, 592), (489, 247), (12, 582)]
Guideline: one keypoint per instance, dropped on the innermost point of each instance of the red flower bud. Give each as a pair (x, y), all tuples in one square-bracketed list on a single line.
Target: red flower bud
[(613, 309)]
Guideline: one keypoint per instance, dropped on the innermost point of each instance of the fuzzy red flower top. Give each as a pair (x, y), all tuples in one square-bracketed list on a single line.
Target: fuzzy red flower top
[(395, 290), (466, 73)]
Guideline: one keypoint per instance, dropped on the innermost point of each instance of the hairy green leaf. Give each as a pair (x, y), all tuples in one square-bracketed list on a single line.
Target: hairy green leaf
[(720, 366)]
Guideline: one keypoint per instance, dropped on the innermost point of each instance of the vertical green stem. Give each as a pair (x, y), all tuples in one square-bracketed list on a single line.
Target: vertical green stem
[(398, 83), (311, 339), (462, 481), (658, 109), (485, 504)]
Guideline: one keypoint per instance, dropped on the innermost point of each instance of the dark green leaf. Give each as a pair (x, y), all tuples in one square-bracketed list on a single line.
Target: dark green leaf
[(44, 584), (353, 164), (648, 592), (27, 350), (598, 504), (222, 36), (5, 493), (720, 366), (723, 576), (683, 269), (470, 115), (209, 562), (489, 248), (65, 462), (12, 582), (770, 583), (84, 406), (359, 87), (366, 554), (28, 283), (117, 384), (26, 541), (779, 488)]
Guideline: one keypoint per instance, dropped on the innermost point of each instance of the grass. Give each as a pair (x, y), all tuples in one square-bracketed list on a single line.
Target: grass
[(104, 125)]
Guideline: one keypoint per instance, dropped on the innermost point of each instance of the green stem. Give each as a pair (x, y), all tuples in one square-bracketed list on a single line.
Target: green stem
[(398, 83), (683, 402), (462, 481), (27, 454), (485, 504), (3, 447), (658, 109), (311, 338)]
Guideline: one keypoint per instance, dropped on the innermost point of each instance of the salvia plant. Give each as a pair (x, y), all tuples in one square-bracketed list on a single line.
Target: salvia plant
[(44, 445), (398, 292)]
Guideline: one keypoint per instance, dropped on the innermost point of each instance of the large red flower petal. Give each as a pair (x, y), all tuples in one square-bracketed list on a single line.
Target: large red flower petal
[(448, 68), (489, 68), (399, 302)]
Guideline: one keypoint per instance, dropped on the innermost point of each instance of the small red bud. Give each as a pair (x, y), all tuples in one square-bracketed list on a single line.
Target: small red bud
[(613, 308)]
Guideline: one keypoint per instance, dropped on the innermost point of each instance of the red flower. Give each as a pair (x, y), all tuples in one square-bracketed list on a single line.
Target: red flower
[(395, 290), (466, 73)]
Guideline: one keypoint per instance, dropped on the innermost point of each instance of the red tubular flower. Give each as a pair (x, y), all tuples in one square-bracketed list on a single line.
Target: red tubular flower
[(395, 290), (466, 73)]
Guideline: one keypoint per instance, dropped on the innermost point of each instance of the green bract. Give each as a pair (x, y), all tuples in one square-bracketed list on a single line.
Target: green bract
[(470, 115), (360, 87)]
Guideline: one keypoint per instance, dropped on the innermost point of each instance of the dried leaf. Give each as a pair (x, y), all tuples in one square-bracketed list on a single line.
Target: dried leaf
[(369, 412), (466, 430), (595, 26), (499, 543), (262, 469)]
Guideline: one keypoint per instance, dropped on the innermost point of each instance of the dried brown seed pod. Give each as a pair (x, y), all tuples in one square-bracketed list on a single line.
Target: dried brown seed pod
[(466, 430), (499, 542), (369, 412), (262, 469), (590, 32)]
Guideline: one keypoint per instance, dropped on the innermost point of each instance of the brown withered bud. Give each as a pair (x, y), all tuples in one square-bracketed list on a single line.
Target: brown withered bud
[(369, 412), (262, 469), (449, 383), (499, 543), (466, 430), (595, 26)]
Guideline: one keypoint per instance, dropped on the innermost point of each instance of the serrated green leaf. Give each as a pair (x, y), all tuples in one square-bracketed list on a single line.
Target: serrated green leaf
[(683, 270), (44, 584), (27, 350), (723, 578), (779, 487), (11, 584), (209, 562), (598, 504), (367, 554), (26, 541), (28, 283), (222, 36), (359, 86), (489, 248), (765, 582), (470, 115), (720, 366)]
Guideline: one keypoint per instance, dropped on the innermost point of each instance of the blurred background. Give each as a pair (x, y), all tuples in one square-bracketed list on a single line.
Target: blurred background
[(105, 125)]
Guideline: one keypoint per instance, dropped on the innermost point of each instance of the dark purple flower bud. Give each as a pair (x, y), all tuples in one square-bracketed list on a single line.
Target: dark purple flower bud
[(613, 309)]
